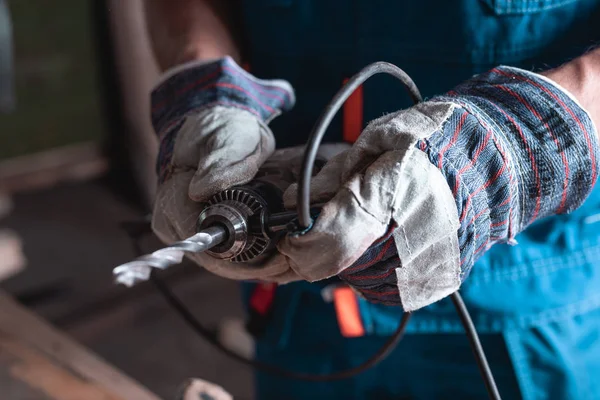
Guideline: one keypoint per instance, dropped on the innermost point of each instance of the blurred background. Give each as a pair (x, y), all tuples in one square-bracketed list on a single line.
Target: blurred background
[(76, 160)]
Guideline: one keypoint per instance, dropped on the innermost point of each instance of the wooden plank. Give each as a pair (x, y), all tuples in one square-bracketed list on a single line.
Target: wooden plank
[(30, 373), (37, 358)]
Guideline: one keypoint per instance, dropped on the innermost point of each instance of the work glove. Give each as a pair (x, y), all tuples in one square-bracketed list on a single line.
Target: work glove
[(211, 119), (426, 191)]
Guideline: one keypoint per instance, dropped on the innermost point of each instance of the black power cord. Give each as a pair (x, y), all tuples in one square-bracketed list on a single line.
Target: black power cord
[(482, 364)]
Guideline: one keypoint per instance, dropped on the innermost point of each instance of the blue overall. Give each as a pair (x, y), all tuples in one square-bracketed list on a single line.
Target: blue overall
[(536, 305)]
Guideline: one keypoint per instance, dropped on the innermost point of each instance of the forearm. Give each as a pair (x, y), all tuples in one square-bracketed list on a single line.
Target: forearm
[(581, 77), (188, 30)]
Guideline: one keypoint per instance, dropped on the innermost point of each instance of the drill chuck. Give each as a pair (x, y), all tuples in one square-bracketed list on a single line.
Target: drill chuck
[(233, 210)]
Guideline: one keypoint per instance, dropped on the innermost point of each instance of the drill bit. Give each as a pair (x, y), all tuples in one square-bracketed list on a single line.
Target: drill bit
[(139, 269)]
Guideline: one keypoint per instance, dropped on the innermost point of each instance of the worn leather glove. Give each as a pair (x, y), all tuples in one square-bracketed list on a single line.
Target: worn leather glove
[(425, 191), (212, 122)]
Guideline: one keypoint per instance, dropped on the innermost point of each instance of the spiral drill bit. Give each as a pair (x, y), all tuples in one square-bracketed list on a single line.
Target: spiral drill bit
[(139, 269)]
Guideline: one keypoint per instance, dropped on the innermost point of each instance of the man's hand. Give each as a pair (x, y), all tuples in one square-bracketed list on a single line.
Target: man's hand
[(426, 191), (212, 122)]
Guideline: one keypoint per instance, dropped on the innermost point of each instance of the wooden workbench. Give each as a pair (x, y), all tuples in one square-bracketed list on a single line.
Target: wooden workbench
[(37, 362)]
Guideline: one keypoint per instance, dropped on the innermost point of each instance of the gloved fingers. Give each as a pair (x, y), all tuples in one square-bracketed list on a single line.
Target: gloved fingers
[(229, 146), (400, 190), (358, 215), (396, 131), (343, 231), (287, 154), (323, 186), (175, 214), (291, 158), (369, 176), (284, 165), (425, 242)]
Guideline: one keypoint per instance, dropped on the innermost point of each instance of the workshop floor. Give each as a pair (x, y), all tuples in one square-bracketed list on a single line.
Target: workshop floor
[(72, 241)]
